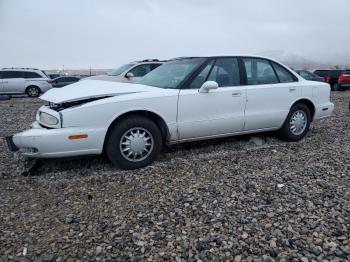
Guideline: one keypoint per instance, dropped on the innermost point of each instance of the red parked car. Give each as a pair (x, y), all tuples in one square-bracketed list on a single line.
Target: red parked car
[(344, 81)]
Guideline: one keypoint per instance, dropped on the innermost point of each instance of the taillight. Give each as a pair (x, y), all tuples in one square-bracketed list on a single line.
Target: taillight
[(327, 79), (341, 79), (49, 81)]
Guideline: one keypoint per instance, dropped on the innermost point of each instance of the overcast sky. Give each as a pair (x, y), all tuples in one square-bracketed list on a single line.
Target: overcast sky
[(106, 33)]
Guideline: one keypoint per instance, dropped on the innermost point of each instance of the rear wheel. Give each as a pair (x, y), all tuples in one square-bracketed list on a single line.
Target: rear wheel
[(296, 124), (335, 87), (33, 91), (133, 142)]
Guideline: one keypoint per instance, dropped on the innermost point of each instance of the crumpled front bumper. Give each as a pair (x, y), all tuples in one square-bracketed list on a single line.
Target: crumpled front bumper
[(41, 142), (10, 144)]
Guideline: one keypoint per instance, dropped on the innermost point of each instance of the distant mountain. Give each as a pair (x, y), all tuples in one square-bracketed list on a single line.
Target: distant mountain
[(292, 60)]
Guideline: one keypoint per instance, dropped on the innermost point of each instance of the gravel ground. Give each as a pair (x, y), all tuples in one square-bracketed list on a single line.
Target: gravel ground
[(241, 199)]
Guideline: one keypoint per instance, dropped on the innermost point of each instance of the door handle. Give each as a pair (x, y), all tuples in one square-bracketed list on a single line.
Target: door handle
[(292, 89), (5, 82), (236, 93)]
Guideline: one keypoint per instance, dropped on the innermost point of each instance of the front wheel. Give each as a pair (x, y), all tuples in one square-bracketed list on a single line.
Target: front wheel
[(33, 91), (336, 87), (296, 124), (133, 142)]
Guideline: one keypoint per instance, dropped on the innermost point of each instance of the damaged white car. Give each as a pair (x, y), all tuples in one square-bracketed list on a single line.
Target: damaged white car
[(185, 99)]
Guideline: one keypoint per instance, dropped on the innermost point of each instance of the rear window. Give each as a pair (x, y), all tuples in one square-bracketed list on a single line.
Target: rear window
[(31, 75), (11, 74), (44, 73), (321, 72), (336, 73), (72, 79), (154, 66), (283, 74)]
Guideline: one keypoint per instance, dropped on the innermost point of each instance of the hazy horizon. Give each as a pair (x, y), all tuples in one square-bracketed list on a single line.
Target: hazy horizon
[(105, 34)]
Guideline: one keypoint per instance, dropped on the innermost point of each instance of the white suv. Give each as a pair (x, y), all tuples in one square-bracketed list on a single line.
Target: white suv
[(129, 73), (28, 81)]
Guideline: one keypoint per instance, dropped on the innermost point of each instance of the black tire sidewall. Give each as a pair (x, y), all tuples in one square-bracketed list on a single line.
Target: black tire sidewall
[(119, 129), (286, 133), (30, 87)]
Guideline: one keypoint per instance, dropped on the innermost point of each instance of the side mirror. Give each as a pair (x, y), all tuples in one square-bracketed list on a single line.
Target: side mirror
[(129, 75), (207, 86)]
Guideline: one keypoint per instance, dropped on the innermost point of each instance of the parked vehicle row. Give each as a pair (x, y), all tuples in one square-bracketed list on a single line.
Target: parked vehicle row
[(184, 99), (332, 78), (34, 82)]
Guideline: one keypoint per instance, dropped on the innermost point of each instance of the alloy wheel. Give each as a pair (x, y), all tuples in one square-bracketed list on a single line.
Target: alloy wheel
[(136, 144), (298, 122)]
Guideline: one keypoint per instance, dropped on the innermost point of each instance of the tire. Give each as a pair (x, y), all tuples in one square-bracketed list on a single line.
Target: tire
[(33, 91), (135, 135), (335, 87), (290, 130)]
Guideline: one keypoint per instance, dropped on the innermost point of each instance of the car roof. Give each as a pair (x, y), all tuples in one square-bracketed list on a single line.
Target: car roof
[(150, 61), (227, 55), (65, 76), (331, 69), (19, 69)]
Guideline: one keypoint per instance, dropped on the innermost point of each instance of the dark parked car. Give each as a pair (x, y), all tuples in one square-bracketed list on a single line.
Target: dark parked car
[(53, 76), (64, 80), (331, 76), (310, 76)]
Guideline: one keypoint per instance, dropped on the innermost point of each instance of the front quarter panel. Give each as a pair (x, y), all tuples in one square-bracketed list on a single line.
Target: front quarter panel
[(102, 113)]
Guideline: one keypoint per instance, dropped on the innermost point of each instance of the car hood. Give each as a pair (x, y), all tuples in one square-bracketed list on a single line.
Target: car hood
[(104, 77), (93, 89)]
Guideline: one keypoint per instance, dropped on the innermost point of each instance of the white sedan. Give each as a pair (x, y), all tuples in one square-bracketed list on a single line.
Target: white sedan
[(185, 99)]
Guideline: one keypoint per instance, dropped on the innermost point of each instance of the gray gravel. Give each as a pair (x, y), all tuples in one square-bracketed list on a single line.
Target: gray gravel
[(242, 199)]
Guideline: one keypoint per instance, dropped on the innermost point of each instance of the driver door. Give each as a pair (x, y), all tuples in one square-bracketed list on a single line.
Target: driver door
[(218, 112)]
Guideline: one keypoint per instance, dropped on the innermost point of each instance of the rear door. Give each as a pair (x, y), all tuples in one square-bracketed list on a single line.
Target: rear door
[(218, 112), (13, 82), (271, 90)]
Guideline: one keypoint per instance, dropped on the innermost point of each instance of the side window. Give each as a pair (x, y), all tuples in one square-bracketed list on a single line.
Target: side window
[(259, 72), (321, 73), (71, 79), (225, 72), (141, 70), (154, 66), (283, 74), (31, 75), (202, 76), (12, 74), (304, 74)]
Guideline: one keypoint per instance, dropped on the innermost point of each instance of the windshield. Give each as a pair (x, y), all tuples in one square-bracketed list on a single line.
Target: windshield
[(171, 74), (118, 71)]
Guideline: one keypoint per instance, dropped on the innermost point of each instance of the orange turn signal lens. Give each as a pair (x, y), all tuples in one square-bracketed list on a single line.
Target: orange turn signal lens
[(75, 137)]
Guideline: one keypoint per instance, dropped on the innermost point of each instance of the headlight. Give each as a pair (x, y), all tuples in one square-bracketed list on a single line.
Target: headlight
[(48, 119)]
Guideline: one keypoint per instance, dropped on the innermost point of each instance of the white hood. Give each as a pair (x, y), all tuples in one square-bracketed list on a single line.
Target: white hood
[(106, 78), (92, 88)]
